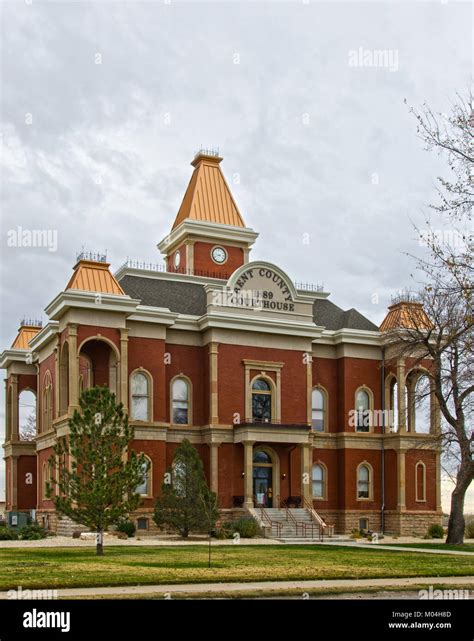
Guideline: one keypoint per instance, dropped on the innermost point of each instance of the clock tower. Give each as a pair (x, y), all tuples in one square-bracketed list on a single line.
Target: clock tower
[(209, 237)]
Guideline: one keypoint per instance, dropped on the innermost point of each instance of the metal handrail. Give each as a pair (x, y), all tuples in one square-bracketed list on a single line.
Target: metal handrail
[(314, 515), (312, 526), (266, 517)]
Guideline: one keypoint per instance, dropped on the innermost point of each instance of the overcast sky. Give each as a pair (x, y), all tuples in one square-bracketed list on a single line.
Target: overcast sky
[(103, 105)]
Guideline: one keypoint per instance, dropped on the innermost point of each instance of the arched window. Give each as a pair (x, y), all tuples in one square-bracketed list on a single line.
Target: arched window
[(318, 403), (362, 411), (27, 415), (180, 402), (420, 481), (145, 487), (261, 457), (364, 482), (261, 401), (319, 481), (140, 406)]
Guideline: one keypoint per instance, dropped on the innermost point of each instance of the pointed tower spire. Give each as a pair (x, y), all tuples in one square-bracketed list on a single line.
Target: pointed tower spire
[(209, 237), (208, 197)]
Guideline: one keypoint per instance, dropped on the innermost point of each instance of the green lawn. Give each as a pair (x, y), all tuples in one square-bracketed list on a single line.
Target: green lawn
[(79, 567), (465, 547)]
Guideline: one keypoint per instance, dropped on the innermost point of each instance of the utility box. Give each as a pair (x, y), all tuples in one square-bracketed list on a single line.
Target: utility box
[(17, 520)]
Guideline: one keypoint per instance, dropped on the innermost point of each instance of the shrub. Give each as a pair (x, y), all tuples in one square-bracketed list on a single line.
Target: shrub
[(435, 531), (470, 528), (32, 532), (222, 533), (355, 534), (8, 535), (246, 527), (127, 527)]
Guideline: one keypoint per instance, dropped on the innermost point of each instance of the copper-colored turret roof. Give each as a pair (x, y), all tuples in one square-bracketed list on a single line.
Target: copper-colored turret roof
[(208, 196), (406, 315), (25, 334), (92, 276)]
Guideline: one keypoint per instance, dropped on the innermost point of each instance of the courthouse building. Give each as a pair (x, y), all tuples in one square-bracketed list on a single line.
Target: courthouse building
[(289, 399)]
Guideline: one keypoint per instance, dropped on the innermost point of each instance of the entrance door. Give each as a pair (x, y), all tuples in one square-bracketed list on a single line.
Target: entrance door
[(262, 486)]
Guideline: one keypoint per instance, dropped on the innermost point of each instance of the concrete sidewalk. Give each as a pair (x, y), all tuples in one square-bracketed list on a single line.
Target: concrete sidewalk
[(208, 589)]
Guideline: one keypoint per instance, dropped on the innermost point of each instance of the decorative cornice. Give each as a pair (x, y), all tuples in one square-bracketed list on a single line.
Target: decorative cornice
[(206, 231), (259, 323), (9, 356), (149, 314), (354, 336), (90, 300)]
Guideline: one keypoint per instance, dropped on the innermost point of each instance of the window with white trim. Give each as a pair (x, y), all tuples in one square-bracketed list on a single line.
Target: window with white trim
[(140, 409), (319, 481), (180, 401), (318, 409), (363, 482)]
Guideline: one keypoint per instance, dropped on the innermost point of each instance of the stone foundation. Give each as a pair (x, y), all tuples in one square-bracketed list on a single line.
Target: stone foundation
[(344, 521), (411, 523)]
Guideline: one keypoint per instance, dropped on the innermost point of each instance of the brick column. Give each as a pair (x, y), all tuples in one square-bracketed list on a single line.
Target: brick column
[(8, 416), (309, 388), (401, 480), (306, 480), (248, 397), (124, 368), (214, 465), (278, 395), (248, 469), (73, 369), (15, 427), (402, 405), (14, 482), (189, 245), (213, 368), (57, 378), (438, 482)]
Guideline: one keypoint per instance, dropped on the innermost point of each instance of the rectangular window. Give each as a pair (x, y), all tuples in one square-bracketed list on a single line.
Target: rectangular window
[(318, 420), (180, 412), (363, 420), (318, 490)]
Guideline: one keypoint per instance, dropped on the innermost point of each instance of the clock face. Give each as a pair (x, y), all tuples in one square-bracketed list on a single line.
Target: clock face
[(219, 255), (177, 259)]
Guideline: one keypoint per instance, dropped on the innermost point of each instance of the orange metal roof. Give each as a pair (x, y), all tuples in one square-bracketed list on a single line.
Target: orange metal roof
[(25, 334), (208, 196), (91, 276), (406, 315)]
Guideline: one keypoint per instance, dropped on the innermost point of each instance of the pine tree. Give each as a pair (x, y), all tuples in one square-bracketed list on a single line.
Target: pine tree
[(98, 488), (186, 504)]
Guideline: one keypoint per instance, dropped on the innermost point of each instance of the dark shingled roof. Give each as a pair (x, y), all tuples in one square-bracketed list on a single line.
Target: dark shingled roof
[(333, 317), (190, 298), (178, 296)]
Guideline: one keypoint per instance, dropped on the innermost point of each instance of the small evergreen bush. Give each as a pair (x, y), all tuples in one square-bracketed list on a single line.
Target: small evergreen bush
[(435, 531), (127, 527), (247, 528), (32, 532), (6, 534)]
